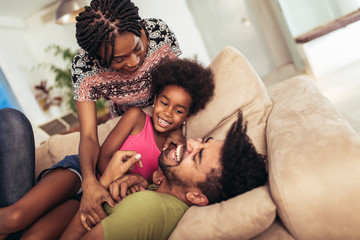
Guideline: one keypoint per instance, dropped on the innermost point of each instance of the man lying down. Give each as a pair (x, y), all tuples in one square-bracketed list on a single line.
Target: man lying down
[(202, 172)]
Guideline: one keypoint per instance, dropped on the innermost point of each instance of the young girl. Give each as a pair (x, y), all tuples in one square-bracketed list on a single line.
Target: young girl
[(181, 87), (119, 50), (176, 87)]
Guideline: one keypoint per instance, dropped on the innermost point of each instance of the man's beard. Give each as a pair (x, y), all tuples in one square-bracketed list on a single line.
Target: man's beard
[(168, 170)]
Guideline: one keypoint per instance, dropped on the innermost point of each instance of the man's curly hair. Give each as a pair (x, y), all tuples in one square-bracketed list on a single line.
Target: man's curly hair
[(242, 168), (197, 80)]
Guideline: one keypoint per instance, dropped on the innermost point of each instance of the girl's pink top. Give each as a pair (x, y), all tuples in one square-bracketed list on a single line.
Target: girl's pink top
[(144, 143)]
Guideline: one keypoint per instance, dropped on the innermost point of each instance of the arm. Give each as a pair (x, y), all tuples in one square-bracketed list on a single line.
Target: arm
[(131, 123), (121, 161), (80, 223), (94, 194)]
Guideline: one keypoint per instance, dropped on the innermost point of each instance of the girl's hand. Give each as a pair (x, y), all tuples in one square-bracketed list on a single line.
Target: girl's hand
[(91, 211), (130, 183), (120, 163), (176, 137)]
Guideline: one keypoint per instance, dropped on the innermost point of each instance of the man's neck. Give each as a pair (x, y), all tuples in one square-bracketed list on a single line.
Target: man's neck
[(175, 191)]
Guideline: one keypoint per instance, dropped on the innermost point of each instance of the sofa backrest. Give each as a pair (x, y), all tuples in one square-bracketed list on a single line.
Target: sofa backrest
[(237, 86)]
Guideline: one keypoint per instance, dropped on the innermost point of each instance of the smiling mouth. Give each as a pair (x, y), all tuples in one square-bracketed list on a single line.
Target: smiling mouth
[(133, 69), (163, 122), (178, 154)]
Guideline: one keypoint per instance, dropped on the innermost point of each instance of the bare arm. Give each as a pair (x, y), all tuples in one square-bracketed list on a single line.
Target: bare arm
[(89, 147), (94, 194), (131, 123), (80, 224)]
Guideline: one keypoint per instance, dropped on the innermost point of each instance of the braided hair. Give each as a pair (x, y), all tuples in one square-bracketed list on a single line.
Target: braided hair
[(101, 21)]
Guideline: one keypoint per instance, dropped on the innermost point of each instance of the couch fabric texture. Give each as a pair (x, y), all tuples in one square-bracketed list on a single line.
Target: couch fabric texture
[(314, 163), (314, 172)]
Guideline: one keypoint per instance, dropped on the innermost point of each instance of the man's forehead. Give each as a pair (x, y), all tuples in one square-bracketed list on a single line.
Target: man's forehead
[(212, 151)]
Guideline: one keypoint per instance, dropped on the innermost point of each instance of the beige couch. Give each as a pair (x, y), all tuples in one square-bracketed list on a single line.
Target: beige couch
[(313, 160)]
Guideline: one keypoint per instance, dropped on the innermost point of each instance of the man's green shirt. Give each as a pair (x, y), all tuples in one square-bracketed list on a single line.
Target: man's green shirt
[(143, 215)]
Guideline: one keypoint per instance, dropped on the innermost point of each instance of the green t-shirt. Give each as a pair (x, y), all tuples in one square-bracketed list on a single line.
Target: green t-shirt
[(143, 215)]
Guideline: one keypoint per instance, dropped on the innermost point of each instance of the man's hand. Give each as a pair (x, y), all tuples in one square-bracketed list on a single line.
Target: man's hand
[(126, 185), (91, 211), (175, 137)]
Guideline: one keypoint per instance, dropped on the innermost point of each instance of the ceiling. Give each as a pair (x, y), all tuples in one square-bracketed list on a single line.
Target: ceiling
[(22, 8)]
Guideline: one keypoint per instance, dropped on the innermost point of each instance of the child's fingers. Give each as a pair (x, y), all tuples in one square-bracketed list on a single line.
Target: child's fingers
[(139, 160), (165, 146), (129, 162)]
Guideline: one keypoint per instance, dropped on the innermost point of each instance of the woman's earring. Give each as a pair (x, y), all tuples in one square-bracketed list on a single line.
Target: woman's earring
[(153, 105)]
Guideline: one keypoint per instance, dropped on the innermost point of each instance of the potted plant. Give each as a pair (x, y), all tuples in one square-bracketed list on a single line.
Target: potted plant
[(63, 78)]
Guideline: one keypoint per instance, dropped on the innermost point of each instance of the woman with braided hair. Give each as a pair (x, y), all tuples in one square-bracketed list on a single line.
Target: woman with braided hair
[(118, 54)]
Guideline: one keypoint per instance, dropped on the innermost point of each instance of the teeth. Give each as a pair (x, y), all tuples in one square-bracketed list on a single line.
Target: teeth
[(162, 121), (178, 152)]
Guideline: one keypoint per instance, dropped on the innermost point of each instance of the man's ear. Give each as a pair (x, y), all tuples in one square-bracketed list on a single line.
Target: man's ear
[(158, 176), (197, 198)]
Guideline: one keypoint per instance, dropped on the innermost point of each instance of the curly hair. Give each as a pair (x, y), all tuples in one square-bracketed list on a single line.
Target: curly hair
[(242, 168), (100, 22), (189, 74)]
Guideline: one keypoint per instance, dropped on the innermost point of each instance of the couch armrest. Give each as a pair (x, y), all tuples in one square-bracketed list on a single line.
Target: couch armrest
[(314, 168)]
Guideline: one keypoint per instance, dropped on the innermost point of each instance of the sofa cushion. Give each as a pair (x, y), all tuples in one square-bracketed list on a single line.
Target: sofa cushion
[(237, 86), (314, 167), (58, 146), (70, 142), (276, 231), (241, 217)]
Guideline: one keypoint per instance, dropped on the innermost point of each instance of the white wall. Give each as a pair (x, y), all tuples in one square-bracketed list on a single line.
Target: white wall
[(23, 44), (270, 32), (15, 68), (178, 17), (242, 24)]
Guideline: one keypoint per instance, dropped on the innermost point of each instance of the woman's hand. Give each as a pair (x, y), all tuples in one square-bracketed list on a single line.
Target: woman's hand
[(175, 137), (130, 183), (91, 211), (95, 193)]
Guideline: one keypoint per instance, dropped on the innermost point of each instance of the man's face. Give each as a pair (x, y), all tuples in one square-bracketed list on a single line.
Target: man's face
[(188, 164)]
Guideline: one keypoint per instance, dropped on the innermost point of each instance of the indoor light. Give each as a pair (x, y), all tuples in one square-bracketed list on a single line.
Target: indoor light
[(68, 10)]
